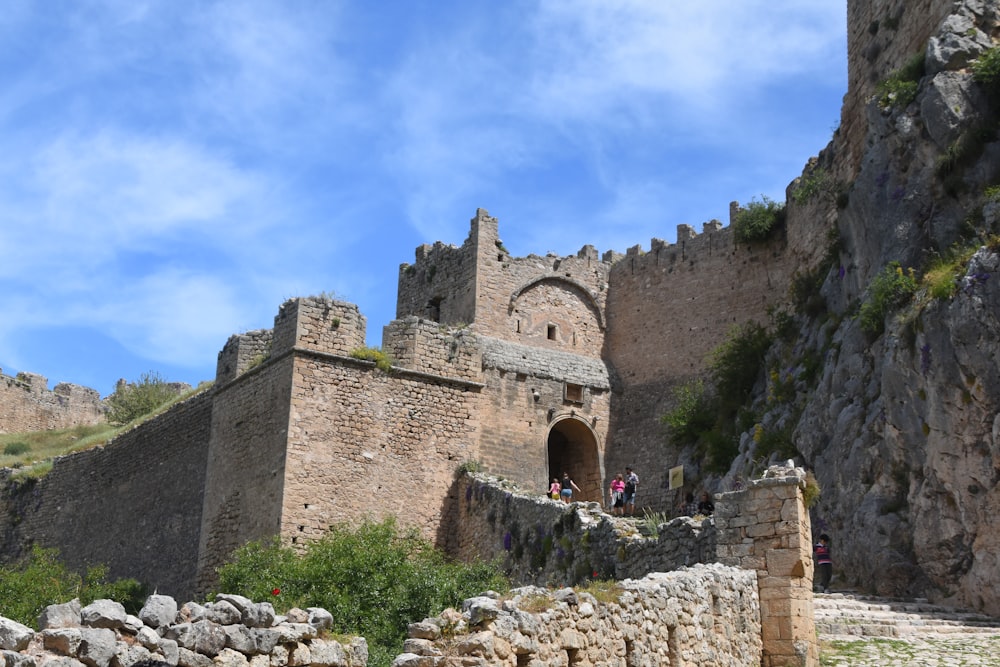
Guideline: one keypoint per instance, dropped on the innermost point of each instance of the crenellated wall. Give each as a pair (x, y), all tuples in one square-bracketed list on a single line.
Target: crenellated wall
[(26, 404)]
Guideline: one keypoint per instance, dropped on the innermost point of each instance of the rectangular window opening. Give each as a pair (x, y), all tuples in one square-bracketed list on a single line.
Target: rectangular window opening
[(573, 392), (551, 332)]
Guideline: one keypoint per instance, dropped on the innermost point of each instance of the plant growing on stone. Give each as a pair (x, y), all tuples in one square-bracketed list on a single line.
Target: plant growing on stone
[(815, 183), (134, 401), (941, 278), (900, 88), (373, 579), (890, 289), (41, 579), (758, 220), (693, 413), (986, 71), (383, 361)]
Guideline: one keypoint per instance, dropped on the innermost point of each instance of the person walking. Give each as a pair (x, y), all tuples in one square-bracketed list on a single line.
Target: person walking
[(568, 486), (617, 491), (824, 562), (554, 489)]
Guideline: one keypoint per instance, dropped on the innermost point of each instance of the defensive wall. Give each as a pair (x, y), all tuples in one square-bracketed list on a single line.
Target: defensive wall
[(133, 505), (26, 404), (763, 529)]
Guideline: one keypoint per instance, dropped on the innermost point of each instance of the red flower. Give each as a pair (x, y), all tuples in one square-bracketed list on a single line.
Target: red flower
[(276, 591), (595, 574)]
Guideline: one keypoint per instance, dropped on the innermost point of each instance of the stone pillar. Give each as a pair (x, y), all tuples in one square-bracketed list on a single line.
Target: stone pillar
[(765, 527)]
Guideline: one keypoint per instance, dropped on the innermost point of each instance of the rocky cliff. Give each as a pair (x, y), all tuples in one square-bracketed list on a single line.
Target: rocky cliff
[(898, 413)]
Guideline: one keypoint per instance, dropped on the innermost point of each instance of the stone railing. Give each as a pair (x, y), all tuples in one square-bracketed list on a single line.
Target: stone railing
[(230, 632), (706, 615)]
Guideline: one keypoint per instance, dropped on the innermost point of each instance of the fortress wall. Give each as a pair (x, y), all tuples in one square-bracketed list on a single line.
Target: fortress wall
[(133, 505), (245, 466), (26, 404), (430, 347), (241, 352), (364, 443), (881, 36), (667, 310)]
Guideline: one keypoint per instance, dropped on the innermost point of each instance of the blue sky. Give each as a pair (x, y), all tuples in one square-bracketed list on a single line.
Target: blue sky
[(171, 172)]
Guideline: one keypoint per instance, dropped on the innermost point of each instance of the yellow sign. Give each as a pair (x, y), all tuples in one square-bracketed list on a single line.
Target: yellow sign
[(676, 477)]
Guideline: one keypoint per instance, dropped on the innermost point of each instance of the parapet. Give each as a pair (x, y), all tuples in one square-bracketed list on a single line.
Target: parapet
[(319, 324), (428, 347)]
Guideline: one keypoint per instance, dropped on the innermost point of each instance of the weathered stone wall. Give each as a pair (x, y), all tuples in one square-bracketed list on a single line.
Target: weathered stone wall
[(26, 404), (882, 35), (552, 302), (429, 347), (241, 352), (231, 631), (765, 527), (706, 616), (667, 309), (133, 505), (549, 542), (364, 444), (525, 397), (245, 464)]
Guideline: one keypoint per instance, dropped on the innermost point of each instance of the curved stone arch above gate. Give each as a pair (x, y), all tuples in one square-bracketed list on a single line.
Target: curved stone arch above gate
[(588, 297)]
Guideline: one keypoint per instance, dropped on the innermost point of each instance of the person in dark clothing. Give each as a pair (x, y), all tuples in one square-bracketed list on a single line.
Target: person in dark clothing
[(824, 562), (706, 506)]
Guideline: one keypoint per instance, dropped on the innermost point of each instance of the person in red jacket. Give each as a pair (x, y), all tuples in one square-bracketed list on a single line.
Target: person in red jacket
[(824, 563)]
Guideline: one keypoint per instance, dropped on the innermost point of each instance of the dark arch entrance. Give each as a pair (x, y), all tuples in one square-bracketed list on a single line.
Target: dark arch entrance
[(572, 448)]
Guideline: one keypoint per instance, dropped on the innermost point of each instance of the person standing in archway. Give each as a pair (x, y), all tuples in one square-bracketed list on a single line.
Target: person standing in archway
[(568, 487)]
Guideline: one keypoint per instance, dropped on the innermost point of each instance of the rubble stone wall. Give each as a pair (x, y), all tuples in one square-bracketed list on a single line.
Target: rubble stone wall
[(231, 631), (707, 616)]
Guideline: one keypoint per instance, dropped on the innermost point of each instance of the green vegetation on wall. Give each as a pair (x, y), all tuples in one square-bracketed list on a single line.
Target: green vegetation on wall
[(374, 580), (758, 220), (890, 289)]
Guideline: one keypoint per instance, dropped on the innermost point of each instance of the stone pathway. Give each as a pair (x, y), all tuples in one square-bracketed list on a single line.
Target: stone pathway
[(860, 631)]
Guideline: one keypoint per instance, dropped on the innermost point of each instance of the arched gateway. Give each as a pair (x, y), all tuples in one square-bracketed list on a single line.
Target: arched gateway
[(572, 447)]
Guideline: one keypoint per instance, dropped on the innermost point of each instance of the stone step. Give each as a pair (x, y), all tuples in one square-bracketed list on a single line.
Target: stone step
[(856, 616)]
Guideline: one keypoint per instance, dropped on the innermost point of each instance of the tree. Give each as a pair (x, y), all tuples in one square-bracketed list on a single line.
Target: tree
[(132, 401)]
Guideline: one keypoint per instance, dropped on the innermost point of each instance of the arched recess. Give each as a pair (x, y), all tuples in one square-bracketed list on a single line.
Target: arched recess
[(571, 446), (586, 295)]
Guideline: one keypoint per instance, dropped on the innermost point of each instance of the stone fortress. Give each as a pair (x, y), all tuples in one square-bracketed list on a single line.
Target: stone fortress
[(529, 366)]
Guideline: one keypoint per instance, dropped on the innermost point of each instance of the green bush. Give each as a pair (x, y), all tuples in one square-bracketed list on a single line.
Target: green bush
[(132, 401), (891, 288), (735, 364), (986, 71), (374, 580), (693, 413), (758, 220), (815, 183), (900, 88), (16, 448), (40, 579)]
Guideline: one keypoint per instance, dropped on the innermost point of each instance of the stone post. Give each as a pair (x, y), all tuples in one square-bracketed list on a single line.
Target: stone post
[(765, 527)]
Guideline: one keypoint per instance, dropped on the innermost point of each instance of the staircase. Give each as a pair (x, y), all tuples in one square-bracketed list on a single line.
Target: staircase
[(850, 616)]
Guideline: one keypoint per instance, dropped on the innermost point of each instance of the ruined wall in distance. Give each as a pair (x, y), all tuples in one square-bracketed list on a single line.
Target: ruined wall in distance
[(26, 404)]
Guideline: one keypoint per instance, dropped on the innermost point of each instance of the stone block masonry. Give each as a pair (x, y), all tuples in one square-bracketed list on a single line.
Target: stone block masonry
[(705, 616)]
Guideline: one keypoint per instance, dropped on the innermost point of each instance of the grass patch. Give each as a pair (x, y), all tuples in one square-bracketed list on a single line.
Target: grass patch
[(21, 449)]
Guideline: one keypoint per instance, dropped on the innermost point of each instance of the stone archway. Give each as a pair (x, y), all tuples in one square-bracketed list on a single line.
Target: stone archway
[(572, 447)]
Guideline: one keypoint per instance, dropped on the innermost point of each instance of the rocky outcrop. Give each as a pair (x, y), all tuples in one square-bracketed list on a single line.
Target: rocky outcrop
[(902, 428), (232, 631)]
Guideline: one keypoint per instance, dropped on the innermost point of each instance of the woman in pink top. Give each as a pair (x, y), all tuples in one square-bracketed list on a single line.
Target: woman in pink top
[(618, 494), (554, 489)]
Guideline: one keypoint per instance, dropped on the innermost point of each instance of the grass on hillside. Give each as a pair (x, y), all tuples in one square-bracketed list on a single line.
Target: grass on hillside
[(32, 452)]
